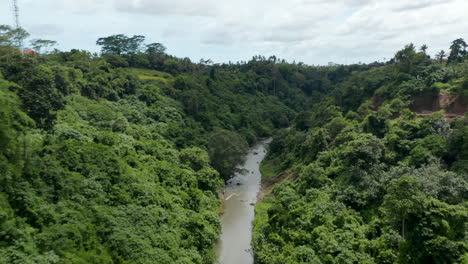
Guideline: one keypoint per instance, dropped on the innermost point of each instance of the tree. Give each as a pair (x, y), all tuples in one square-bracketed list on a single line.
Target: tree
[(303, 120), (134, 44), (12, 120), (457, 51), (423, 48), (39, 44), (155, 48), (403, 199), (206, 61), (120, 44), (40, 96), (12, 37), (195, 158), (441, 55), (316, 140), (156, 55), (112, 45), (406, 58), (226, 149), (406, 54), (376, 125)]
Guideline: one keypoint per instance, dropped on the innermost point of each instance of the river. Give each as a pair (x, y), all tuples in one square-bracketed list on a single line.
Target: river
[(241, 195)]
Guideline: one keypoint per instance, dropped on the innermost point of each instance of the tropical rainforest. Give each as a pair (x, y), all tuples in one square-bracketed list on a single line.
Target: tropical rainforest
[(119, 157)]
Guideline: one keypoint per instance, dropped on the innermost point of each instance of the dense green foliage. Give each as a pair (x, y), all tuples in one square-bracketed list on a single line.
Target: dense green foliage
[(374, 182), (119, 158), (97, 181)]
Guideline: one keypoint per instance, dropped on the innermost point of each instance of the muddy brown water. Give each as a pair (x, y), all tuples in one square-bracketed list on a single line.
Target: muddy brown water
[(237, 221)]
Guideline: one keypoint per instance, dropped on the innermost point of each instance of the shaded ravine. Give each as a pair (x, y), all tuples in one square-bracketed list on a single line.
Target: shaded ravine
[(240, 195)]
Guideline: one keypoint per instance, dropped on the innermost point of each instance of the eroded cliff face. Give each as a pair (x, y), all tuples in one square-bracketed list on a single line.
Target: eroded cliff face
[(453, 105)]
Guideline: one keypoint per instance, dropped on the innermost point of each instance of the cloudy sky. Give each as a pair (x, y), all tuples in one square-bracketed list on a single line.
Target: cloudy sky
[(310, 31)]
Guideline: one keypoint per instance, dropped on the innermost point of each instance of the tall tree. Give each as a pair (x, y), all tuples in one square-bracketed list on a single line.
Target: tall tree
[(40, 96), (155, 48), (424, 48), (12, 37), (225, 149), (457, 51), (406, 57), (441, 55), (39, 44), (134, 44), (121, 44)]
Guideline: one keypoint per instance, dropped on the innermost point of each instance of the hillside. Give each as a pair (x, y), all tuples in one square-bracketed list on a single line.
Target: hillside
[(119, 157), (378, 173)]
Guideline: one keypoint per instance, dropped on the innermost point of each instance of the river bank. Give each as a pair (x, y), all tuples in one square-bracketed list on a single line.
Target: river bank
[(240, 194)]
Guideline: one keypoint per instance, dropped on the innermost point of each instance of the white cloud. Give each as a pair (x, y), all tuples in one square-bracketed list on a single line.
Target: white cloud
[(313, 31), (46, 30), (169, 7), (403, 5)]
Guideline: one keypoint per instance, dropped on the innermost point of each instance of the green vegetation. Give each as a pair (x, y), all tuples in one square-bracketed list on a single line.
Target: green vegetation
[(119, 158), (378, 183), (269, 172)]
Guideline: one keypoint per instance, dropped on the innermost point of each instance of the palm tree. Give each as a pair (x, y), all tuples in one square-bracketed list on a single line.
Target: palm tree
[(441, 55), (423, 48)]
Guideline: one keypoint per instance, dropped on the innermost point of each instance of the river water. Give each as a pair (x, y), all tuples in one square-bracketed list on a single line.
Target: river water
[(241, 194)]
